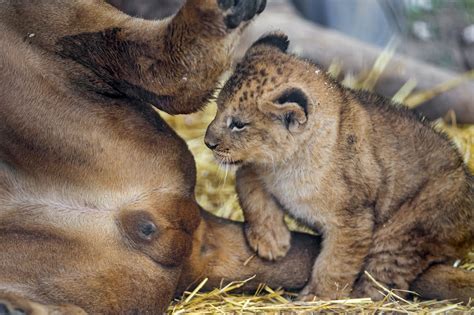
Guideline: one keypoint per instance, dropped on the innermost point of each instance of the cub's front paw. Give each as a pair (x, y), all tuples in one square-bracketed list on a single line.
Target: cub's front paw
[(238, 11), (269, 241)]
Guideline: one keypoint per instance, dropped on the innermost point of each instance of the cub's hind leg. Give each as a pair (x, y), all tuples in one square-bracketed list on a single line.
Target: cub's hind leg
[(433, 227), (345, 246), (394, 262), (265, 228)]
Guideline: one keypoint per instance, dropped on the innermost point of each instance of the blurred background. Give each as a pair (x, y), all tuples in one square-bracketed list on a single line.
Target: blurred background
[(437, 31), (397, 48)]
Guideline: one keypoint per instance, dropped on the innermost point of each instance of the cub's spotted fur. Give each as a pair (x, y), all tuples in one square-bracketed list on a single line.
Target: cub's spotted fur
[(390, 195)]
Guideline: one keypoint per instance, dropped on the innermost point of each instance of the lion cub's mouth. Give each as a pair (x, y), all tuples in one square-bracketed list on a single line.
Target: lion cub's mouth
[(225, 159)]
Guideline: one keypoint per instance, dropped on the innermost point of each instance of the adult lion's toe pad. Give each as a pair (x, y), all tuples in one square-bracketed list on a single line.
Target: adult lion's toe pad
[(240, 11)]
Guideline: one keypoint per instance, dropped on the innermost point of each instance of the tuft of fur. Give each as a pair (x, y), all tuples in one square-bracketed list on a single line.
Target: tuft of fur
[(276, 39)]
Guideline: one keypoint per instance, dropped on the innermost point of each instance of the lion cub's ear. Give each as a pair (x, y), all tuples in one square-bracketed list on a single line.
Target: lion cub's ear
[(290, 107), (275, 40)]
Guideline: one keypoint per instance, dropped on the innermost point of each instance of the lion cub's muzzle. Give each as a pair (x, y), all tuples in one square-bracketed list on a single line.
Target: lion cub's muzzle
[(220, 151)]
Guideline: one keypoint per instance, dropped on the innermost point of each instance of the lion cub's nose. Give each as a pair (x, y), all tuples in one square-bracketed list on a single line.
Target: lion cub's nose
[(210, 140), (210, 145)]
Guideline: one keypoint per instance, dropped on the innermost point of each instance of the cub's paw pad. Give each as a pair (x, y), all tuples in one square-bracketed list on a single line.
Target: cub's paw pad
[(238, 11), (267, 243)]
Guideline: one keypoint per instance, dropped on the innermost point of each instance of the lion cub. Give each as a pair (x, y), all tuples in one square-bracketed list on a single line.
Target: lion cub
[(390, 195)]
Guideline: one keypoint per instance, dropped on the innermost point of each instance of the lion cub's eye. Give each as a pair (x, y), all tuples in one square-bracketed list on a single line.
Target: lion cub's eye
[(236, 125)]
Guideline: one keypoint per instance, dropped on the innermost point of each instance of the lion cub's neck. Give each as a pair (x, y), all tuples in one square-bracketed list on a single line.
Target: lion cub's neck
[(303, 181)]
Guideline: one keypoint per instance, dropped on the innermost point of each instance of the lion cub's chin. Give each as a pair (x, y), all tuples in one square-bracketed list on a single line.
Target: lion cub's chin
[(226, 160)]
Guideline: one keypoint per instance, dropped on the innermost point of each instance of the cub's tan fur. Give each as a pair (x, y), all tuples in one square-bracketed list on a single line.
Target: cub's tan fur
[(390, 195)]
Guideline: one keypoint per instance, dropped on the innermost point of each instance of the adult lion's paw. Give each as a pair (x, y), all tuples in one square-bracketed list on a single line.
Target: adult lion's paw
[(269, 241), (13, 305), (10, 305), (8, 309), (238, 11)]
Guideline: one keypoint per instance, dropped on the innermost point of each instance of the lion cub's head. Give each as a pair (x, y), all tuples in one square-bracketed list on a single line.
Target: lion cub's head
[(264, 108)]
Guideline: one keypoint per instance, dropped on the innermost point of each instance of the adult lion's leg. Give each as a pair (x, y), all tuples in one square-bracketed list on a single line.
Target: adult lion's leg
[(220, 253), (173, 64), (198, 47)]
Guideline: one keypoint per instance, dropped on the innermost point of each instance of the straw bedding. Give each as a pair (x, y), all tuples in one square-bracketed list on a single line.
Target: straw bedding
[(215, 192)]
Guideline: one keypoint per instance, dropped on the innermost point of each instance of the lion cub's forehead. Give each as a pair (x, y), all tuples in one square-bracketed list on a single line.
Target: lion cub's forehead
[(253, 80)]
